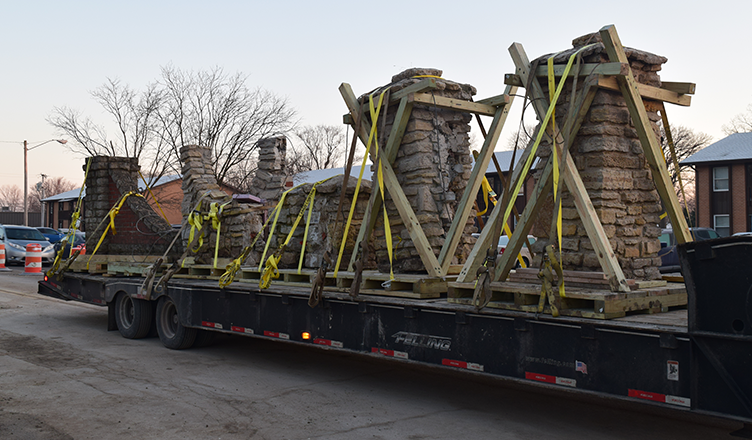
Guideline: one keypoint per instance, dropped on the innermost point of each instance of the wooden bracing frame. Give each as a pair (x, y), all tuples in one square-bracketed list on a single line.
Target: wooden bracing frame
[(497, 106), (623, 79), (616, 75)]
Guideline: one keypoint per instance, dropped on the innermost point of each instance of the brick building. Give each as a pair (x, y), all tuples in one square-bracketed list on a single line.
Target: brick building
[(723, 184)]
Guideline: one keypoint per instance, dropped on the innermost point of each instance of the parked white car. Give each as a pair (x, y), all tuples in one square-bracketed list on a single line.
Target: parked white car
[(16, 238)]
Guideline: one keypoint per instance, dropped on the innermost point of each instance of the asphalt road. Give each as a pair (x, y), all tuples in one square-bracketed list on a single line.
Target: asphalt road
[(63, 376)]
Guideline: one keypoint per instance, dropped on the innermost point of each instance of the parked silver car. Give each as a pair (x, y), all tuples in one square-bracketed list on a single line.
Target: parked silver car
[(16, 238)]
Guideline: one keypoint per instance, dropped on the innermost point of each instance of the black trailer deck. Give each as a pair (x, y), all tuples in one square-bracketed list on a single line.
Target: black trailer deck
[(635, 357)]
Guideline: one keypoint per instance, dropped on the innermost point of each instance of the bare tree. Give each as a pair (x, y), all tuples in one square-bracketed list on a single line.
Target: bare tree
[(213, 109), (741, 123), (319, 147), (51, 186), (135, 117), (208, 108), (686, 143), (12, 197), (520, 138)]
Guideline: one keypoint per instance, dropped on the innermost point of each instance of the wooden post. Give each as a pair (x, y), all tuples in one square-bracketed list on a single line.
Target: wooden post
[(462, 212), (650, 145)]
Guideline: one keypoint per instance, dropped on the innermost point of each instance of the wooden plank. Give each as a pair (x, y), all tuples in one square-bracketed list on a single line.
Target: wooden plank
[(410, 221), (453, 104), (683, 88), (585, 69), (574, 183), (648, 92), (512, 79), (478, 254), (462, 211), (420, 86), (495, 100), (650, 145)]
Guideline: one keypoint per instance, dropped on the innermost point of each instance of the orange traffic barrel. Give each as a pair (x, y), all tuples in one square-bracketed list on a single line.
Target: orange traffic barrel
[(33, 258), (2, 258)]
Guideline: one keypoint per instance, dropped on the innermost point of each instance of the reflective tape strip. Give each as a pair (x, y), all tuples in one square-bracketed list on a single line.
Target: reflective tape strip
[(658, 397), (211, 324), (246, 330), (565, 381), (462, 364), (34, 264), (276, 335), (390, 353), (320, 341)]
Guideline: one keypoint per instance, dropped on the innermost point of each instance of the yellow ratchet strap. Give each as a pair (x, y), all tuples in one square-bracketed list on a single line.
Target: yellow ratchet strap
[(153, 196), (371, 137), (555, 154), (215, 215), (114, 211), (196, 220), (270, 271), (538, 138), (73, 225)]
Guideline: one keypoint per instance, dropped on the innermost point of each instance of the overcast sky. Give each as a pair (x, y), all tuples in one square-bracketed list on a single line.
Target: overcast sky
[(54, 53)]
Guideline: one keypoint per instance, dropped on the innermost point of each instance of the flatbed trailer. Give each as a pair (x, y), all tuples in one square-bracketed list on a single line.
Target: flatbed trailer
[(648, 357)]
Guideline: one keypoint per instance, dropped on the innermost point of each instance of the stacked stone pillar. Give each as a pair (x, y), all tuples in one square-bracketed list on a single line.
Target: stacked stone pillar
[(611, 162), (269, 181), (138, 229), (433, 166), (200, 189)]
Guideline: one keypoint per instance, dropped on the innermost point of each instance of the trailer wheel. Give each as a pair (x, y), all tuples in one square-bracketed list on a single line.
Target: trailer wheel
[(172, 334), (133, 316)]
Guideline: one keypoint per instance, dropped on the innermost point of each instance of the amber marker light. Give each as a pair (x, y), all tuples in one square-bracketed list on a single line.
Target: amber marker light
[(306, 336)]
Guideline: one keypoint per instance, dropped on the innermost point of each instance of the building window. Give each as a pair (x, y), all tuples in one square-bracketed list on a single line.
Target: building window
[(722, 225), (721, 179)]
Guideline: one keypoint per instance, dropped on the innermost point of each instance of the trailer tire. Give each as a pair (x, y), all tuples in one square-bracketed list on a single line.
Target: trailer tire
[(134, 317), (171, 332)]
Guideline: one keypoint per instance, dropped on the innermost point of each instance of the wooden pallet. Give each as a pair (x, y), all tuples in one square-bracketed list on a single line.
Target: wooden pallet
[(100, 264), (576, 278), (581, 302), (414, 286), (287, 277)]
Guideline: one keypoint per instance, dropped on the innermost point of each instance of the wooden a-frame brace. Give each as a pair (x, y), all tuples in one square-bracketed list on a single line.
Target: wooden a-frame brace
[(497, 106), (632, 92)]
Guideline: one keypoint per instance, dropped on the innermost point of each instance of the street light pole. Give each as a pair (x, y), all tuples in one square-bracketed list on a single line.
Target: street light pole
[(43, 195), (26, 174)]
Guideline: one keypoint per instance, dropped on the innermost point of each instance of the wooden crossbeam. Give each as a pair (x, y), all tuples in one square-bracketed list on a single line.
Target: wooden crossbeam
[(572, 179), (585, 69), (462, 212), (455, 104), (495, 100), (420, 86), (648, 92), (674, 93), (409, 219), (682, 88), (650, 145)]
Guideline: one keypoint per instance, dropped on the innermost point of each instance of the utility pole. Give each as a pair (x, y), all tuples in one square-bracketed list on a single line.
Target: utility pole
[(42, 191), (26, 184)]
